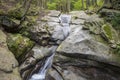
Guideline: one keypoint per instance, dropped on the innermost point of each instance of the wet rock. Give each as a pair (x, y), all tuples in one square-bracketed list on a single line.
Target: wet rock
[(40, 52), (34, 60), (19, 45)]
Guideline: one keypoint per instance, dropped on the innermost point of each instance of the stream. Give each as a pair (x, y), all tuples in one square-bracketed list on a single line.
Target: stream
[(72, 52), (65, 28)]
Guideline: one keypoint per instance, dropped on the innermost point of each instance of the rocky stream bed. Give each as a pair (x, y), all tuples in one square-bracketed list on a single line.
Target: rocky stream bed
[(86, 54)]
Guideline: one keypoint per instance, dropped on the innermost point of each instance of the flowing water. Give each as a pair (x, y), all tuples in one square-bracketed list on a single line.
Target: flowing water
[(65, 20)]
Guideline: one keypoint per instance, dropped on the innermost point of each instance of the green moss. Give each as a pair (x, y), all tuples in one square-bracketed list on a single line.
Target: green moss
[(107, 31), (16, 13), (32, 19), (19, 45), (99, 39), (34, 10), (2, 12)]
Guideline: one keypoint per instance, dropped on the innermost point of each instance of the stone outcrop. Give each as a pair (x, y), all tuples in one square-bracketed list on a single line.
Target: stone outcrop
[(84, 55), (44, 28)]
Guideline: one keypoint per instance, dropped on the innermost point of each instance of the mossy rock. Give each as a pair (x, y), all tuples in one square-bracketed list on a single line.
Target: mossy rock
[(94, 24), (16, 13), (32, 19), (34, 10), (2, 12), (109, 33), (19, 45), (10, 24)]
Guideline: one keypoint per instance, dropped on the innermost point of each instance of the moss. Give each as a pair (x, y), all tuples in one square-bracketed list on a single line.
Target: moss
[(32, 19), (19, 45), (34, 10), (15, 21), (2, 12), (16, 13), (99, 39), (107, 31)]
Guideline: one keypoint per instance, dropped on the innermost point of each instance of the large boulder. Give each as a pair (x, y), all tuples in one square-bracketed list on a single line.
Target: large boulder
[(19, 45), (8, 63), (82, 44), (70, 67)]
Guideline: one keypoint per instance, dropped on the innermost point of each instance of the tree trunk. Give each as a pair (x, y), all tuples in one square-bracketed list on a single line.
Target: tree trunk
[(82, 4)]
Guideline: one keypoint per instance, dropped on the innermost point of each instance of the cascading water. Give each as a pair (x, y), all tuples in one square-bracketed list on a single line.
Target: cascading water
[(65, 20)]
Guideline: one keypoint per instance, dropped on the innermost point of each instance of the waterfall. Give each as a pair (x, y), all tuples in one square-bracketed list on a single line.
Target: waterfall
[(65, 20)]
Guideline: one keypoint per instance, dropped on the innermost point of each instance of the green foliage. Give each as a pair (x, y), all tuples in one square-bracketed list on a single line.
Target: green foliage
[(116, 21), (51, 6), (100, 3), (16, 13), (77, 5)]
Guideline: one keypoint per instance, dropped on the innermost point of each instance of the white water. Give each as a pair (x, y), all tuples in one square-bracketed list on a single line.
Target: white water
[(65, 20)]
